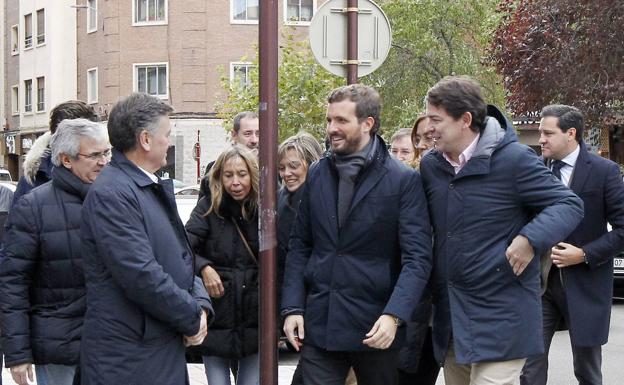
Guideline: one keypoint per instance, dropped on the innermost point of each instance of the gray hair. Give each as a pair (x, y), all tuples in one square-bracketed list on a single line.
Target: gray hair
[(66, 139), (243, 115), (133, 114), (401, 133)]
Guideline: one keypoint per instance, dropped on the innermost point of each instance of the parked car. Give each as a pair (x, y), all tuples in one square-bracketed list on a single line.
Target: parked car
[(618, 276), (5, 175), (186, 200)]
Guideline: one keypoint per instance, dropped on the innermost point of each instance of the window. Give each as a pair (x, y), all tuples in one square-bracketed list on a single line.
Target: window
[(149, 11), (152, 79), (14, 40), (28, 31), (91, 15), (299, 11), (27, 95), (244, 11), (15, 100), (40, 26), (241, 72), (92, 85), (41, 94)]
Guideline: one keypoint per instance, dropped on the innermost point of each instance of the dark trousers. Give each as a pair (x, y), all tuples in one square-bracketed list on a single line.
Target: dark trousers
[(586, 360), (428, 368), (322, 367)]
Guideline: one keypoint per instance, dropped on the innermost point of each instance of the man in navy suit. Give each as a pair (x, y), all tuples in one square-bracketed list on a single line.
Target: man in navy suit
[(578, 277)]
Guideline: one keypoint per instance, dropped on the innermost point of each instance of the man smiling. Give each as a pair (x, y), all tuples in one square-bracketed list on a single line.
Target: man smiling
[(360, 251)]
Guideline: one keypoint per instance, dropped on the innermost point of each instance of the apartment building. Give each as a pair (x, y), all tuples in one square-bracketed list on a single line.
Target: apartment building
[(178, 51), (39, 70)]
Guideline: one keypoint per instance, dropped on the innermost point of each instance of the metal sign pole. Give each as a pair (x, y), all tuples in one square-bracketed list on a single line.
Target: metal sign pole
[(268, 47)]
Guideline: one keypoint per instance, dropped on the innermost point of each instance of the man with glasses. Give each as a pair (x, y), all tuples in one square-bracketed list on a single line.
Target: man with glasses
[(42, 286), (38, 165)]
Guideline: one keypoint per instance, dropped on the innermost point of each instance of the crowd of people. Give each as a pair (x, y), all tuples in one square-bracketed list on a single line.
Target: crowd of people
[(453, 246)]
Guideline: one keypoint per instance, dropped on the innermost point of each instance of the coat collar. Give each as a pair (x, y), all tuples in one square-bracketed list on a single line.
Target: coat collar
[(374, 169), (120, 161), (582, 169), (498, 132)]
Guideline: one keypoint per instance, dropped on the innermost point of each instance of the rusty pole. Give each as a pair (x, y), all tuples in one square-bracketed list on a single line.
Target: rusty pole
[(268, 47), (352, 41)]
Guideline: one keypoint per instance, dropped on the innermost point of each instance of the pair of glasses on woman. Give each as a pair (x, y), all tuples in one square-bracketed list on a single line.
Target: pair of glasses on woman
[(97, 155)]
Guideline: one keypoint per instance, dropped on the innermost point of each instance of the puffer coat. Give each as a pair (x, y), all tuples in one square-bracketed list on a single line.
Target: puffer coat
[(42, 287), (216, 243)]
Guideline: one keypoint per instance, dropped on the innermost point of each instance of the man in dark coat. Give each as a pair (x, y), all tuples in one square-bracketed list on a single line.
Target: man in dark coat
[(37, 165), (42, 288), (578, 273), (360, 251), (494, 206), (143, 303)]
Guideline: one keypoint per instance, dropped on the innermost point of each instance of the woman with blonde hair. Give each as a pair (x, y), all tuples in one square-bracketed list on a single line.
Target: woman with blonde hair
[(223, 232)]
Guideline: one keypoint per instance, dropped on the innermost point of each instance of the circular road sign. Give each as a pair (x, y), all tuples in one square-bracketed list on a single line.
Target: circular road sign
[(328, 37)]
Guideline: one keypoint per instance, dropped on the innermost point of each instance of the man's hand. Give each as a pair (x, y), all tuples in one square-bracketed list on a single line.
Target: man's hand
[(382, 334), (565, 254), (22, 373), (519, 254), (293, 328), (212, 281), (198, 338)]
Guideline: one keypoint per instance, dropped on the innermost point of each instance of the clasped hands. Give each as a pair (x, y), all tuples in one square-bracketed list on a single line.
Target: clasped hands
[(198, 338)]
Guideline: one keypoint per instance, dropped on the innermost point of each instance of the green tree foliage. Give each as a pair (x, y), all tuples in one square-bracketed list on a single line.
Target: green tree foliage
[(303, 89), (560, 51), (433, 39)]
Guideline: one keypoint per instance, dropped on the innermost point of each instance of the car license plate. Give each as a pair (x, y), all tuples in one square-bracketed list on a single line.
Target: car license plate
[(618, 263)]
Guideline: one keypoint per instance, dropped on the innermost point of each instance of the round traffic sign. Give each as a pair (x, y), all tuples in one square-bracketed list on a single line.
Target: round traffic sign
[(328, 36)]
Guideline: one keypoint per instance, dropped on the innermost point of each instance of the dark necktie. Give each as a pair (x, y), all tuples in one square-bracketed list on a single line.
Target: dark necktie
[(556, 168)]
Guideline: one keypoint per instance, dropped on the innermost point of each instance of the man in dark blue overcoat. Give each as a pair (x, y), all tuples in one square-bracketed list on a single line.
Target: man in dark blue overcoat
[(494, 206), (360, 251), (144, 303), (578, 272)]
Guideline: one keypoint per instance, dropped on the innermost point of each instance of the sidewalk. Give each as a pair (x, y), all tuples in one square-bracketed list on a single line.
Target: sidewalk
[(196, 374)]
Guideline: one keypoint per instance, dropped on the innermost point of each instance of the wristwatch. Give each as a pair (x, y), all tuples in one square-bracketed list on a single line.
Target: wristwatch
[(397, 321)]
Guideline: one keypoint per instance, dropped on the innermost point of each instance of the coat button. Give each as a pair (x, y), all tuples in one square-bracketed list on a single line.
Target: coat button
[(449, 234), (451, 186)]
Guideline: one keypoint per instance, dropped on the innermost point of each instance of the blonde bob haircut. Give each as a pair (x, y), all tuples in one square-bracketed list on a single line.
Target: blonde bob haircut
[(250, 203), (305, 145)]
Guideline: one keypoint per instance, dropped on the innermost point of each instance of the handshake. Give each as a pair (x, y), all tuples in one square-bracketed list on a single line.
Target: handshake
[(198, 338)]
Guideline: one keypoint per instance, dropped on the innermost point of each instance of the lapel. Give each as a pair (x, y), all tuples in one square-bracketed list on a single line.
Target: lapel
[(329, 192), (581, 171), (370, 178)]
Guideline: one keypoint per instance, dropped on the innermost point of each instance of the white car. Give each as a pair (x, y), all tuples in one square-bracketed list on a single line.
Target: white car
[(186, 200)]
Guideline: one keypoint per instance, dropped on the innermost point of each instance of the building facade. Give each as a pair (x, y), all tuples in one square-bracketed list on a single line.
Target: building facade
[(178, 51), (40, 70)]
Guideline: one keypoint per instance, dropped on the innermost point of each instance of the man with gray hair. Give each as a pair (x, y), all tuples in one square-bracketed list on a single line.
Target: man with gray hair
[(42, 288), (144, 303)]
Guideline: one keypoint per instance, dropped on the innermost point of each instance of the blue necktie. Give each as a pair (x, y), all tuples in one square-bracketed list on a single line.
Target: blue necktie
[(556, 168)]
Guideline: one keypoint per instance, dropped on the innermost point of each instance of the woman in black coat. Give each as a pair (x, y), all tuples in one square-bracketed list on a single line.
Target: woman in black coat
[(223, 231), (42, 285), (295, 155)]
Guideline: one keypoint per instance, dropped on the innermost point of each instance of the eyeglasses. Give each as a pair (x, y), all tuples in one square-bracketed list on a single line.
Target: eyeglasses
[(97, 155)]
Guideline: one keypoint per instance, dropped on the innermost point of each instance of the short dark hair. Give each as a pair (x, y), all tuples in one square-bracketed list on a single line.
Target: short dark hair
[(366, 99), (458, 95), (133, 114), (567, 117), (72, 109), (243, 115)]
